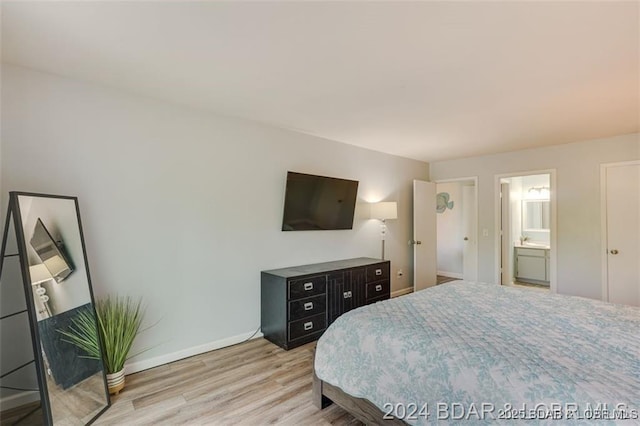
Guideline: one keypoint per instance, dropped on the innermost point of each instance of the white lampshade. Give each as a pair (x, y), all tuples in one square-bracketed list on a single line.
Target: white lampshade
[(39, 274), (384, 210)]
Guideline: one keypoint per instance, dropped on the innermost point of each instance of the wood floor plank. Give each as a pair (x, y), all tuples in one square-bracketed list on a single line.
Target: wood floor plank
[(229, 380), (121, 409), (252, 383), (259, 403), (147, 415)]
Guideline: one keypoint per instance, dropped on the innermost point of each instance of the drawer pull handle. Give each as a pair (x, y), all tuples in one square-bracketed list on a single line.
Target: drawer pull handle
[(308, 286), (378, 272), (347, 294), (308, 325), (308, 306), (379, 287)]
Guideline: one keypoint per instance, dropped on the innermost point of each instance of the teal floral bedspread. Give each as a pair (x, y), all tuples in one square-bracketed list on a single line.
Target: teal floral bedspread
[(476, 353)]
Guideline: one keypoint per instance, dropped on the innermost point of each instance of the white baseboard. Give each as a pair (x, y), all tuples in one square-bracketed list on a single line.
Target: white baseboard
[(450, 274), (402, 291), (136, 366), (18, 399)]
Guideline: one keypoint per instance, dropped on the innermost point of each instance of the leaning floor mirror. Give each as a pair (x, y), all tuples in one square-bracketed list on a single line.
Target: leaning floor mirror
[(59, 304)]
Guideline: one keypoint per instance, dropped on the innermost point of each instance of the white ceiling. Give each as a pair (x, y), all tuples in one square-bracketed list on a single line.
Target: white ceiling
[(424, 80)]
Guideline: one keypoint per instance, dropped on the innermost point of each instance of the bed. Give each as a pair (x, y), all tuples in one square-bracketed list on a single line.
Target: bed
[(481, 352)]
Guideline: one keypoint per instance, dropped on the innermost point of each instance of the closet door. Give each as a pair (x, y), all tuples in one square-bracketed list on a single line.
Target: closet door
[(622, 212)]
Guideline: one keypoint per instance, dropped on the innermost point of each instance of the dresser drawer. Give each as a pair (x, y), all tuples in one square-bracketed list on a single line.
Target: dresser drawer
[(378, 272), (308, 307), (378, 289), (299, 289), (307, 326)]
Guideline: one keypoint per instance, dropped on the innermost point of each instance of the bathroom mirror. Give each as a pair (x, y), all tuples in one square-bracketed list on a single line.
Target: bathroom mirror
[(535, 215), (57, 285)]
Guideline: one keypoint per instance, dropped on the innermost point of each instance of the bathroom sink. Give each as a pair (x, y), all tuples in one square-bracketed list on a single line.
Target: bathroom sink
[(532, 244)]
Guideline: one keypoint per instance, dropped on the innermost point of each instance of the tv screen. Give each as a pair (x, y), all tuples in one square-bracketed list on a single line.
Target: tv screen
[(51, 255), (318, 202)]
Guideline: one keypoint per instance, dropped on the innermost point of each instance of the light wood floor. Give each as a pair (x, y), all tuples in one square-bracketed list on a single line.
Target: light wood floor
[(529, 286), (441, 279), (78, 404), (251, 383)]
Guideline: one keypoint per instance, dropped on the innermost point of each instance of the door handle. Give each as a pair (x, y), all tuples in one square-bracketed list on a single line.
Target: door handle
[(614, 252), (414, 242), (466, 238), (418, 242)]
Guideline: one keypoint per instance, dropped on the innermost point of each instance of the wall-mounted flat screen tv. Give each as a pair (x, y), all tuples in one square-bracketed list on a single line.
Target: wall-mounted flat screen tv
[(318, 202), (50, 252)]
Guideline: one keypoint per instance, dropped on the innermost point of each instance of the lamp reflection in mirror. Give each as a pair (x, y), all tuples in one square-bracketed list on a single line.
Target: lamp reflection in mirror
[(40, 274), (384, 211)]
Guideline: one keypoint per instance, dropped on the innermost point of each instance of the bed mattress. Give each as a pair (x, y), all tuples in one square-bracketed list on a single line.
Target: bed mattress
[(481, 352)]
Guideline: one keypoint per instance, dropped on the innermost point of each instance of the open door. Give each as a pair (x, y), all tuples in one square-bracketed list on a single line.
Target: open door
[(506, 272), (424, 235), (469, 232)]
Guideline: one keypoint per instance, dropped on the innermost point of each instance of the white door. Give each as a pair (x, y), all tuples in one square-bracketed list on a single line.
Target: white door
[(506, 249), (469, 232), (623, 233), (424, 235)]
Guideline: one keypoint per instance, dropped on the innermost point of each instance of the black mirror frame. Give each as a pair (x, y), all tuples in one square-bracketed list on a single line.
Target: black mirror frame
[(13, 212)]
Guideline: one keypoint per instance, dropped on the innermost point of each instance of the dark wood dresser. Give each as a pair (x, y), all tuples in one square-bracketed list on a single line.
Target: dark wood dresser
[(299, 303)]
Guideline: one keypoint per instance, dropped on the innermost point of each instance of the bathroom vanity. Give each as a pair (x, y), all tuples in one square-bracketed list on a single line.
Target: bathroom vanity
[(532, 264)]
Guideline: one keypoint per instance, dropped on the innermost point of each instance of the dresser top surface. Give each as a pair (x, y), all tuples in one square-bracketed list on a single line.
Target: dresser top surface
[(317, 268)]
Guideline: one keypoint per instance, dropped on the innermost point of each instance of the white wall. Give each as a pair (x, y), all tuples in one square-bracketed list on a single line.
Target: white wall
[(449, 232), (184, 207), (578, 202)]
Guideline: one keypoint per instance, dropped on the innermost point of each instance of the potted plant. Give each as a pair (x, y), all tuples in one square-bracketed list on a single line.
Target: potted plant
[(119, 320)]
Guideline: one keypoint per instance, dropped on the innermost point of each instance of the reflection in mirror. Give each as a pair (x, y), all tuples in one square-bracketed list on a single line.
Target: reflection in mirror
[(51, 246), (50, 253), (535, 215), (52, 240)]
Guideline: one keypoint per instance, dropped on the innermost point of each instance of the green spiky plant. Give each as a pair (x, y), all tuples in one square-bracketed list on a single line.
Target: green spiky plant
[(119, 321)]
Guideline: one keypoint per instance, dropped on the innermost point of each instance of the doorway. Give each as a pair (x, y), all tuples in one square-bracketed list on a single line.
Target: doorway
[(525, 223), (456, 234)]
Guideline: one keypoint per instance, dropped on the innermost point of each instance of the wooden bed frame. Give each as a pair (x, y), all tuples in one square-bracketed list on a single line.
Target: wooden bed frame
[(324, 394)]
